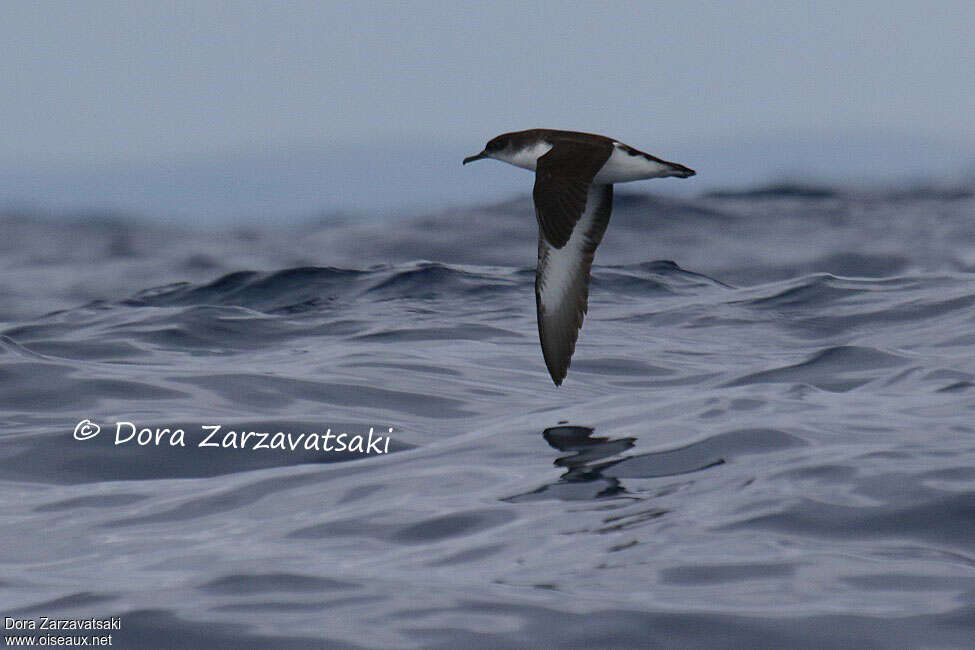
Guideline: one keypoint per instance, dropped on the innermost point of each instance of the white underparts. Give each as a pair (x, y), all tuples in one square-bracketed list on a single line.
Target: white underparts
[(623, 166), (524, 158)]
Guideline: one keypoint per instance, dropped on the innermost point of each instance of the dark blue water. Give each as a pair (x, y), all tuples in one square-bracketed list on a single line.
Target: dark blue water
[(766, 438)]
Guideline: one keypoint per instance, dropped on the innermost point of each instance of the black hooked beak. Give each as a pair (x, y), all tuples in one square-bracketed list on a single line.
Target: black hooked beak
[(483, 154)]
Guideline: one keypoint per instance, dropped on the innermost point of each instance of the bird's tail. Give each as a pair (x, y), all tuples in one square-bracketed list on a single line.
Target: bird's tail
[(678, 170)]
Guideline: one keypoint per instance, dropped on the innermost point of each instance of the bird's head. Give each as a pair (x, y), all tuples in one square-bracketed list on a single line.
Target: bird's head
[(492, 149)]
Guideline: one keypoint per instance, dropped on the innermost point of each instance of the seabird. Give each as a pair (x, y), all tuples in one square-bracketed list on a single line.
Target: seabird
[(574, 176)]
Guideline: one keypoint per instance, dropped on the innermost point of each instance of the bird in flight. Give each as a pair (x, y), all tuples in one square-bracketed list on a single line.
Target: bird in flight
[(574, 176)]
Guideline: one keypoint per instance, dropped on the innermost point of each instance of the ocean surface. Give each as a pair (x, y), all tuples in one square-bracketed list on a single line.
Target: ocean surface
[(766, 438)]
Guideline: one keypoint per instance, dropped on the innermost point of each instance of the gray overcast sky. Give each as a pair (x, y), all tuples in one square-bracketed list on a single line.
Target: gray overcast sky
[(96, 82)]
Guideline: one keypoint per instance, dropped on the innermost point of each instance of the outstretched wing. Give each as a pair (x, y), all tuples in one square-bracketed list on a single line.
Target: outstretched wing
[(562, 180), (562, 277)]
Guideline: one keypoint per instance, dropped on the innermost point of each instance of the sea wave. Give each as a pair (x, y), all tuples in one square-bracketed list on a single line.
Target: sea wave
[(767, 440)]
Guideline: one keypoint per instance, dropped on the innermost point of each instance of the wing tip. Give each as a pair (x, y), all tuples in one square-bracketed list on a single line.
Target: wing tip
[(558, 369)]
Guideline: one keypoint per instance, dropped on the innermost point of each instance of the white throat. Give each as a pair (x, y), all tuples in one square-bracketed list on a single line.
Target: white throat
[(524, 158)]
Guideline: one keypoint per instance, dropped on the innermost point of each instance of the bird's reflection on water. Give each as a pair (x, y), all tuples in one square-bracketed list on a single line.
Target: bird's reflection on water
[(589, 476)]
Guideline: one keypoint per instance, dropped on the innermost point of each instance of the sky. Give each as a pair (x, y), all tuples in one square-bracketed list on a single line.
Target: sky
[(95, 87)]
